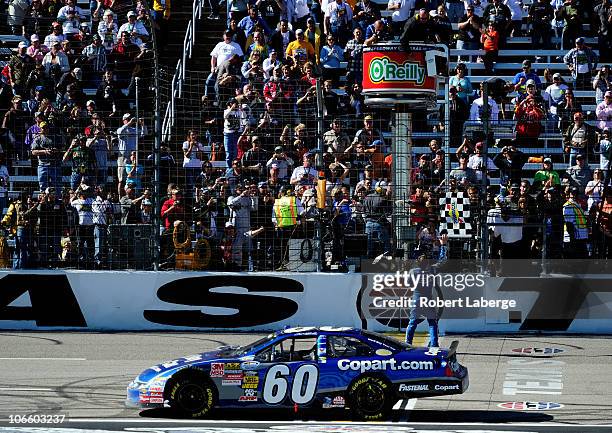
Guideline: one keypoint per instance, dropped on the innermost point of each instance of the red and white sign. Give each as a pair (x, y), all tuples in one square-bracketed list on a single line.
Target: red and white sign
[(217, 369)]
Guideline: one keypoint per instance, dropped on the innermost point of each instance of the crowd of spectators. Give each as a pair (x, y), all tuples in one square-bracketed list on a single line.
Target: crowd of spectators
[(255, 173)]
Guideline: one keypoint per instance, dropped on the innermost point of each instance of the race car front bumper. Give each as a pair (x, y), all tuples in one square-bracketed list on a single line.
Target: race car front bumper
[(143, 399)]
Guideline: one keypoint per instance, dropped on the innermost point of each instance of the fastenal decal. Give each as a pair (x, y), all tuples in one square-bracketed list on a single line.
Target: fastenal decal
[(530, 405), (385, 364), (384, 69), (406, 388)]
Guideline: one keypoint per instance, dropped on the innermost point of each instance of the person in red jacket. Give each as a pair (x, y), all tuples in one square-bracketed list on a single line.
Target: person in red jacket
[(173, 210), (490, 43), (528, 115)]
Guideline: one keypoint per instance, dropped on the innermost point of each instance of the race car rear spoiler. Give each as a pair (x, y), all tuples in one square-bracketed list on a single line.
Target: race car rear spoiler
[(453, 348)]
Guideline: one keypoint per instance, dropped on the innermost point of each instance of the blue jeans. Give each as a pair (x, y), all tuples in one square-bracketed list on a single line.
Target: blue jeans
[(209, 88), (75, 180), (415, 319), (455, 11), (376, 231), (230, 143), (49, 175), (100, 245), (22, 248)]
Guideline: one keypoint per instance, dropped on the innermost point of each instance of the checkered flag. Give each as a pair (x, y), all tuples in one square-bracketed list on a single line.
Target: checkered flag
[(455, 213)]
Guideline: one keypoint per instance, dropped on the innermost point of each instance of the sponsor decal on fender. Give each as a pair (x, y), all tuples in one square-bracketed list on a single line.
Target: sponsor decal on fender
[(230, 382), (156, 400), (416, 387), (447, 387), (249, 365), (385, 364), (249, 395), (232, 368), (336, 402), (217, 369)]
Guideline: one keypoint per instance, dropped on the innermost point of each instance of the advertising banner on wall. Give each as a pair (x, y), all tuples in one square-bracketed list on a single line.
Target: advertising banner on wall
[(154, 301)]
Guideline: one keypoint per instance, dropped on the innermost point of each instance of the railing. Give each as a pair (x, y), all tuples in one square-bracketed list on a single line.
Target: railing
[(181, 69)]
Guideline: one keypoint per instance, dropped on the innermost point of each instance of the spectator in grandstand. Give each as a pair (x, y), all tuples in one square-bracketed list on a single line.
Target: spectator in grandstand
[(95, 61), (510, 162), (365, 13), (603, 11), (477, 112), (566, 110), (222, 52), (579, 138), (442, 23), (82, 203), (554, 94), (123, 56), (338, 20), (550, 209), (468, 37), (529, 114), (253, 19), (582, 62), (108, 30), (240, 205), (604, 112), (499, 14), (44, 147), (540, 17), (16, 13), (270, 63), (572, 15), (56, 35), (419, 28), (161, 12), (232, 128), (576, 228), (368, 134), (602, 83), (100, 145), (421, 175), (402, 11), (108, 95), (36, 50), (192, 158), (252, 69), (135, 29), (459, 113), (19, 67), (305, 174), (82, 159), (56, 62), (20, 219), (282, 162), (300, 50), (341, 216), (353, 53), (377, 32), (520, 80), (480, 163), (127, 143), (605, 152), (134, 172), (464, 175), (546, 177), (330, 58), (254, 160), (489, 39), (258, 44), (377, 209), (282, 37), (461, 83), (594, 190), (604, 224), (70, 9), (336, 139), (579, 175), (313, 35)]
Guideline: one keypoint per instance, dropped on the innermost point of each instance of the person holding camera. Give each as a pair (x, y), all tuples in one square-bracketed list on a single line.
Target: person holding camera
[(305, 174), (282, 162), (82, 158), (510, 162), (240, 205)]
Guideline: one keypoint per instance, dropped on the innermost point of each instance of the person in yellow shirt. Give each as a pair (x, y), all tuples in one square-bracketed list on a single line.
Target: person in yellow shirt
[(161, 16), (301, 50)]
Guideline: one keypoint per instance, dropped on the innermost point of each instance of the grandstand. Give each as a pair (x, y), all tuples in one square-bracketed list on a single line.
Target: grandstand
[(213, 151)]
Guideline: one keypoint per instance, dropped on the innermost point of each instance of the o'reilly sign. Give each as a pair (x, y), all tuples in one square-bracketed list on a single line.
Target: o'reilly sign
[(385, 69)]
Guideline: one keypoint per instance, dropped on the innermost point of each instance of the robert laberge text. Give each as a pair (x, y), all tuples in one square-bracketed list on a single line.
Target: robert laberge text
[(424, 302)]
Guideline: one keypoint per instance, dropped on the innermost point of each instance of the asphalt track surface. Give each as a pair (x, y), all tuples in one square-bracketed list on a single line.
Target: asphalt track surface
[(83, 376)]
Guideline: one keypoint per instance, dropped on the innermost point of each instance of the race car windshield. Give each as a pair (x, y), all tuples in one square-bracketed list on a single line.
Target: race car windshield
[(249, 347), (387, 341)]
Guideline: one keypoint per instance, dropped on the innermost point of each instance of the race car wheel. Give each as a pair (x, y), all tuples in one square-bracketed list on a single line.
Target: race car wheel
[(192, 395), (369, 398)]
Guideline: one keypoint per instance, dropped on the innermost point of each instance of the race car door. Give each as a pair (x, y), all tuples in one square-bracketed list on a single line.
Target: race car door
[(288, 372)]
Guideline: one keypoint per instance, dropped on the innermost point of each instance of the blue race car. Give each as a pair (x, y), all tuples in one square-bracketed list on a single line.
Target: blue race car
[(302, 367)]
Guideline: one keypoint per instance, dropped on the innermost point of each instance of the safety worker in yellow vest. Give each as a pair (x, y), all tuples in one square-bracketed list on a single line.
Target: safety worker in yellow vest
[(286, 215), (576, 228)]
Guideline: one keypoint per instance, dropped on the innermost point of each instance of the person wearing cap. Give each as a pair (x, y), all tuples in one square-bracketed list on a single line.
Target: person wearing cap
[(270, 63), (222, 52), (36, 50), (281, 162), (240, 204), (49, 158), (477, 111), (56, 35), (254, 160), (124, 56), (248, 23), (127, 142), (579, 175), (581, 62), (575, 228), (108, 30), (529, 114), (479, 163), (286, 215), (555, 93), (520, 80), (20, 220), (546, 177), (82, 159), (136, 29), (13, 122), (365, 13), (56, 61), (19, 67), (70, 24), (282, 37), (95, 57), (300, 50), (603, 112), (510, 162), (70, 9), (579, 137), (305, 174), (82, 202)]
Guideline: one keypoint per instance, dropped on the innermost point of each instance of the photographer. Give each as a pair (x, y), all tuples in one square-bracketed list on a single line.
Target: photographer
[(240, 205), (510, 162), (305, 174), (282, 161)]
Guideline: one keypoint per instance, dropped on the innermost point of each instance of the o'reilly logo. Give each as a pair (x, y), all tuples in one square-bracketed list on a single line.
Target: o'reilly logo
[(405, 388), (385, 364), (384, 69)]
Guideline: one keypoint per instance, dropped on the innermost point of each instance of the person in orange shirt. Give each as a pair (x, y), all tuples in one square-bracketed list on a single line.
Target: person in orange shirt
[(490, 43)]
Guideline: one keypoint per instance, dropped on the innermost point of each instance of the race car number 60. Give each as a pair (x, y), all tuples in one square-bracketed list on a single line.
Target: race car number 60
[(303, 388)]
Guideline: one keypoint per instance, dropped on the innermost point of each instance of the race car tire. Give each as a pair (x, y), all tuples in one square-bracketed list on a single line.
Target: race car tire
[(369, 398), (192, 394)]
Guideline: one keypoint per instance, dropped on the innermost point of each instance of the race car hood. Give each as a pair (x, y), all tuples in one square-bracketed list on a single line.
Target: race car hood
[(197, 359)]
